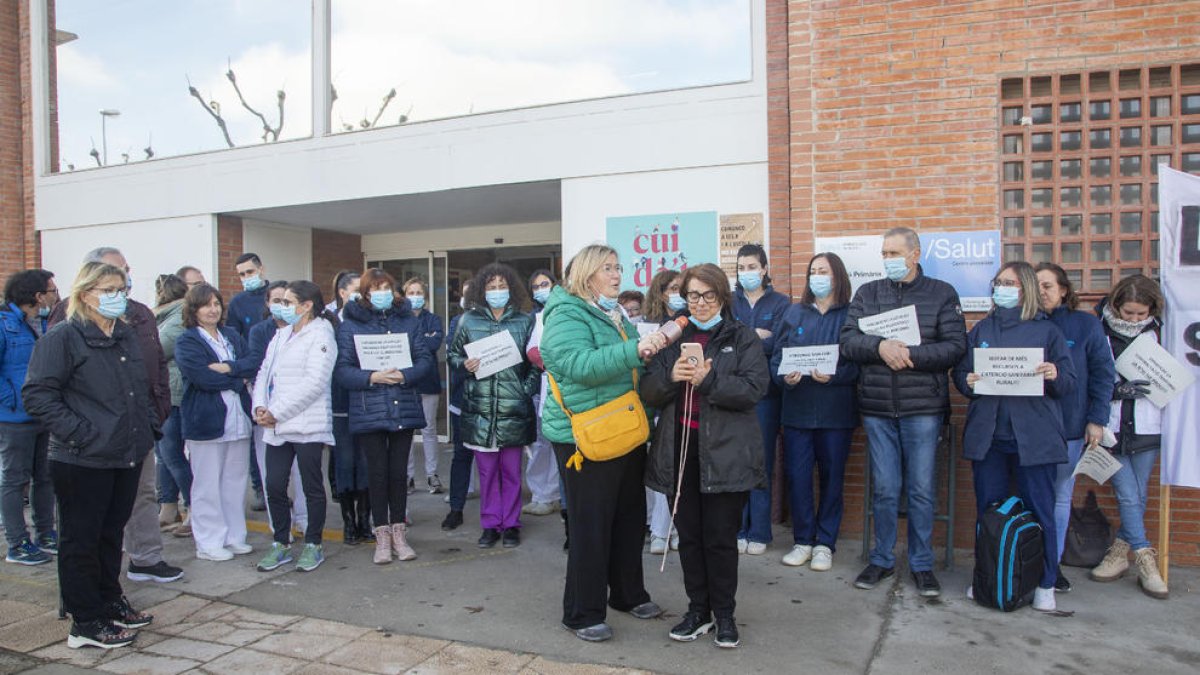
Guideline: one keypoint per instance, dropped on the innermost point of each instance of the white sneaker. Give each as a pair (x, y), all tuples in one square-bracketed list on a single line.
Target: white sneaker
[(800, 554), (1043, 600), (822, 559), (971, 592), (240, 549), (658, 545), (756, 548), (674, 542), (215, 555), (742, 545)]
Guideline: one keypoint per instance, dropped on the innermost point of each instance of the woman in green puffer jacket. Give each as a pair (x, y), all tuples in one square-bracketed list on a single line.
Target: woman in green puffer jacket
[(591, 350), (497, 415)]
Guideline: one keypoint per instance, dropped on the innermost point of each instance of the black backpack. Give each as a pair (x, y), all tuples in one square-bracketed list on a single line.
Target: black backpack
[(1009, 556)]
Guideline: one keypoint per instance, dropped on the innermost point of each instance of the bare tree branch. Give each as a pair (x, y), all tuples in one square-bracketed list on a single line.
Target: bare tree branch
[(279, 97), (213, 113), (386, 101)]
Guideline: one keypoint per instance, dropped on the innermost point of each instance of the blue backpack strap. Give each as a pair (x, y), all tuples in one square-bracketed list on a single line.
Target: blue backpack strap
[(1008, 505)]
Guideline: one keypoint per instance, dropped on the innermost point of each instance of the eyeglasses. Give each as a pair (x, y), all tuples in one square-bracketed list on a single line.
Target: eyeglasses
[(109, 293), (542, 286), (1005, 283), (609, 269), (707, 296)]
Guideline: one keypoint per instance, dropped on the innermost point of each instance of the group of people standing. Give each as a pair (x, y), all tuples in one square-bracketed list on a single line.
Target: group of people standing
[(230, 394)]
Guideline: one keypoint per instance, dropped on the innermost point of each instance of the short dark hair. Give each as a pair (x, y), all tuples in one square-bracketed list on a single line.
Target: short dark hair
[(477, 294), (714, 277), (759, 252), (272, 286), (1071, 300), (199, 296), (841, 280), (249, 257), (182, 271), (169, 288), (22, 288), (626, 296), (542, 272)]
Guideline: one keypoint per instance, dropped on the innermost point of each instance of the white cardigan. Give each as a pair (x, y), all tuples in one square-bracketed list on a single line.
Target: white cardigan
[(293, 383)]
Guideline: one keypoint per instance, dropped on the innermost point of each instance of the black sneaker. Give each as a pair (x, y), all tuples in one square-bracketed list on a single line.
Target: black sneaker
[(727, 634), (927, 584), (1062, 584), (98, 633), (160, 572), (511, 537), (693, 626), (121, 614), (871, 576), (452, 520), (489, 538)]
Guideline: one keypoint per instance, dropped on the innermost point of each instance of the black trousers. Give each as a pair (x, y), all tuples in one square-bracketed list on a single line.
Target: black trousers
[(278, 463), (708, 526), (93, 507), (387, 473), (606, 514)]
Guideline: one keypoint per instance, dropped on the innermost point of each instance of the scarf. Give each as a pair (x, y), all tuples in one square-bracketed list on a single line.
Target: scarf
[(1129, 329)]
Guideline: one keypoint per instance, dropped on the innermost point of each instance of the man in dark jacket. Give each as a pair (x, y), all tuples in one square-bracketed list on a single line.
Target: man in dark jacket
[(250, 306), (904, 396), (143, 539)]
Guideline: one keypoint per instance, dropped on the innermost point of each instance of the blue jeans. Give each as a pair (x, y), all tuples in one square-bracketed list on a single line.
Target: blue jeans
[(756, 517), (460, 467), (1035, 485), (828, 449), (1129, 482), (174, 471), (23, 463), (350, 467), (907, 446), (1064, 489)]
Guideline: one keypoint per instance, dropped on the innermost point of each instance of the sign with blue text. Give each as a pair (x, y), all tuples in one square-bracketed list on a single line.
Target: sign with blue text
[(647, 245), (967, 261)]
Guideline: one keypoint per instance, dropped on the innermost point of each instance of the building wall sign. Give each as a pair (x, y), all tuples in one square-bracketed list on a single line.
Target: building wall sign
[(652, 243), (738, 229)]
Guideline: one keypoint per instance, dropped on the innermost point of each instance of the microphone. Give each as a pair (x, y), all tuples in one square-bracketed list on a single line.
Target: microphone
[(671, 330)]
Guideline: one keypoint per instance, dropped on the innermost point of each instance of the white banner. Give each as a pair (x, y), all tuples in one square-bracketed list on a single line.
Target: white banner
[(1179, 256)]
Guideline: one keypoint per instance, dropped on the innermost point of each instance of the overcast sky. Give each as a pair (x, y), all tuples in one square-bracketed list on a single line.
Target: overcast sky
[(444, 58)]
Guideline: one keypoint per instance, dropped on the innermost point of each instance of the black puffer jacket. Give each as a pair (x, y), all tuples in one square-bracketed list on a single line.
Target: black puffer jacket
[(90, 391), (731, 458), (923, 389)]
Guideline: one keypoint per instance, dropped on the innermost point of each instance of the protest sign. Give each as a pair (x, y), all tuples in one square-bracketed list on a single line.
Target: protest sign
[(1097, 463), (822, 358), (495, 353), (898, 324), (382, 352), (1145, 359), (1009, 372)]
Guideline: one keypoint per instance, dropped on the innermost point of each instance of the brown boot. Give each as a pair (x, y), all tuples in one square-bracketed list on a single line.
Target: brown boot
[(1149, 579), (185, 528), (1115, 563), (399, 544), (168, 517), (383, 545)]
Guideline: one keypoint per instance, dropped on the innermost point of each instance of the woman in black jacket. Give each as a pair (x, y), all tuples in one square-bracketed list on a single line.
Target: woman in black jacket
[(707, 413), (87, 386)]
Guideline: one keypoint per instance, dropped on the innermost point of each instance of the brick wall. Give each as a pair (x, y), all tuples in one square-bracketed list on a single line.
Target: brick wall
[(229, 247), (892, 120), (12, 164), (331, 253)]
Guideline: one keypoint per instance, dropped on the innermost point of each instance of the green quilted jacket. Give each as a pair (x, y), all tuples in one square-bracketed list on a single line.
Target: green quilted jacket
[(498, 410), (583, 350)]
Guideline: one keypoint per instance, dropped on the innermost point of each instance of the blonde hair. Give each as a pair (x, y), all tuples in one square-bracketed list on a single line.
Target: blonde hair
[(584, 266), (1027, 278), (90, 276), (419, 282)]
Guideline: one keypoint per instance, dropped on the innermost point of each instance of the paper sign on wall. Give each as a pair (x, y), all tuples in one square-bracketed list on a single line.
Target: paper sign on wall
[(861, 256), (821, 358), (1145, 359), (738, 229), (495, 353), (898, 324), (382, 352), (1009, 372)]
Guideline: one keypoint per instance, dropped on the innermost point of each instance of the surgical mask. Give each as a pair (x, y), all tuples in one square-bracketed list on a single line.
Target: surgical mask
[(382, 300), (252, 283), (705, 325), (276, 311), (606, 303), (1006, 296), (287, 314), (542, 295), (750, 281), (417, 301), (497, 299), (821, 285), (112, 307), (676, 302), (896, 268), (43, 312)]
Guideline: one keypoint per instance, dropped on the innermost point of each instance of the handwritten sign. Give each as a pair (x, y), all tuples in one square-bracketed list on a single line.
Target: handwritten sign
[(495, 353), (1009, 372), (898, 324), (1097, 463), (381, 352), (822, 358), (1145, 359)]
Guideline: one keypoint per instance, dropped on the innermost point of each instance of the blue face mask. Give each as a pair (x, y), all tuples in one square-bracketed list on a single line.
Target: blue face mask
[(676, 302), (606, 303), (43, 312), (417, 301), (750, 281), (252, 283), (896, 268), (705, 325), (276, 311), (288, 315), (821, 285), (382, 300), (112, 307), (496, 299), (1006, 296), (542, 295)]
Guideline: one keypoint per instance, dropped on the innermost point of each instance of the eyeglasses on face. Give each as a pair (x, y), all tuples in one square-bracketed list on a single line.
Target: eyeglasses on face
[(707, 296), (109, 292), (610, 269), (1005, 283)]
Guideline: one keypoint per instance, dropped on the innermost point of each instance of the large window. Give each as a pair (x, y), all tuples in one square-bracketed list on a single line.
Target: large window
[(1079, 158)]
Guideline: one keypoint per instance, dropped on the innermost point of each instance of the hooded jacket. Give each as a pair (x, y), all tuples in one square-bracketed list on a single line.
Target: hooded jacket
[(497, 411), (16, 346)]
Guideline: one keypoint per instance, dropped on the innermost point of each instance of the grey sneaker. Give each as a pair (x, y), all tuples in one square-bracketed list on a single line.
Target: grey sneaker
[(310, 558), (277, 555), (598, 633)]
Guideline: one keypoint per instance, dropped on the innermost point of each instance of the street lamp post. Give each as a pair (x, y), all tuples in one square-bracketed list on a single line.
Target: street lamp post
[(106, 113)]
